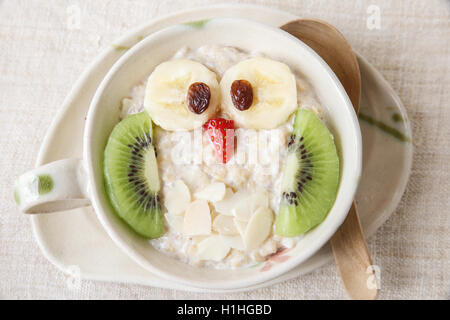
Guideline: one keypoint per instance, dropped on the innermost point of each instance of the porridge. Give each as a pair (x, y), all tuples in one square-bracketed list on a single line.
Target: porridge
[(220, 199)]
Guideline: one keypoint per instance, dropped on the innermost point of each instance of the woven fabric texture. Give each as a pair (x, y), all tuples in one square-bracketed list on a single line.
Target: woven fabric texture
[(41, 58)]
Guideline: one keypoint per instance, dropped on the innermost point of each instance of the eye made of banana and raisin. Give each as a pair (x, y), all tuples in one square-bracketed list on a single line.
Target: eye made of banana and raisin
[(259, 93), (182, 94)]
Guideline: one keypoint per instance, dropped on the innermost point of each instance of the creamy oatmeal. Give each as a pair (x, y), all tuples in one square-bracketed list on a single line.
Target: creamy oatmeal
[(190, 175)]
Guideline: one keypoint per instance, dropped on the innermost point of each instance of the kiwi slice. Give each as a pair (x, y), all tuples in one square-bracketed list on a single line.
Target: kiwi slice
[(131, 175), (310, 178)]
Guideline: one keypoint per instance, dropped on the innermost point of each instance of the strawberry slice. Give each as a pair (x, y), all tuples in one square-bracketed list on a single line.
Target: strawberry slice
[(221, 133)]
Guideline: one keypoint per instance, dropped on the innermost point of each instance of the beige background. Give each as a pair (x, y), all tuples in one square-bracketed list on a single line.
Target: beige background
[(41, 58)]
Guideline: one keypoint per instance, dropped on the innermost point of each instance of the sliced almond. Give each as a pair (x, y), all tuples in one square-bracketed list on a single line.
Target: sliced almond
[(194, 177), (258, 228), (177, 198), (259, 199), (228, 193), (213, 192), (234, 242), (248, 203), (197, 219), (225, 206), (197, 239), (212, 248), (225, 225), (242, 206), (175, 222), (240, 226), (243, 203)]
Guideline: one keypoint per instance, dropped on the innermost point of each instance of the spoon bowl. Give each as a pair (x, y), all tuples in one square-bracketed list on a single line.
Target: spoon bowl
[(331, 45)]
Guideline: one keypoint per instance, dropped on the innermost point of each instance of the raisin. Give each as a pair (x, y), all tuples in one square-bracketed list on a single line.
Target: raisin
[(241, 94), (198, 97)]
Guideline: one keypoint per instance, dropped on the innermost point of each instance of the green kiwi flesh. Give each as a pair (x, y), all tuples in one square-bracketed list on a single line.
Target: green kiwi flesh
[(310, 177), (131, 175)]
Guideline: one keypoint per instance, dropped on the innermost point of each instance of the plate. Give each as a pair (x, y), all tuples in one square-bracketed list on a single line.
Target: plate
[(76, 243)]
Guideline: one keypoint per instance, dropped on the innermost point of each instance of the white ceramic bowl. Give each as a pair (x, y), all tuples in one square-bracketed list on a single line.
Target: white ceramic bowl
[(139, 62)]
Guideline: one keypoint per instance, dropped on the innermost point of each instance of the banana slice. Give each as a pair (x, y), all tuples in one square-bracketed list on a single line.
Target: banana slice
[(274, 93), (167, 90)]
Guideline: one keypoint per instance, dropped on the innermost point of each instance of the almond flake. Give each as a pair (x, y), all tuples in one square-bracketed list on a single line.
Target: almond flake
[(234, 242), (225, 206), (213, 192), (177, 198), (197, 219), (258, 228), (212, 248), (225, 225)]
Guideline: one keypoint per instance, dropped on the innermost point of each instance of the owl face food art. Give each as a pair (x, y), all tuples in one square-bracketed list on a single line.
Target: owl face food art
[(221, 158)]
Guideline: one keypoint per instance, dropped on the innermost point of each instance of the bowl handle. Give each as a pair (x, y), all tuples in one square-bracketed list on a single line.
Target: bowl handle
[(57, 186)]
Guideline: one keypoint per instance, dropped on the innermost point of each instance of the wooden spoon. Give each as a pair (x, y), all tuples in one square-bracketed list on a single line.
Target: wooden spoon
[(349, 246)]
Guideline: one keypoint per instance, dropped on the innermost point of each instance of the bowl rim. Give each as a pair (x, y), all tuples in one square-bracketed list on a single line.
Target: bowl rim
[(100, 211)]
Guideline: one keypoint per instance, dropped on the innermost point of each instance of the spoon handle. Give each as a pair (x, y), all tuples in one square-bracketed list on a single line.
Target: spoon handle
[(353, 259), (349, 246)]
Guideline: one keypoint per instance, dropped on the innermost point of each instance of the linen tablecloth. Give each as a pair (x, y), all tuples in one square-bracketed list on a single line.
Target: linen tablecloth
[(41, 57)]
